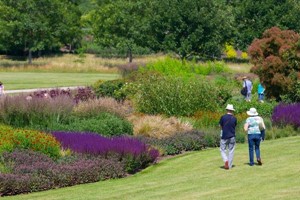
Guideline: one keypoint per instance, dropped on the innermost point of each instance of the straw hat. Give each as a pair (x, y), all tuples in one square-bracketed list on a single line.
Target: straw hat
[(252, 112), (230, 107)]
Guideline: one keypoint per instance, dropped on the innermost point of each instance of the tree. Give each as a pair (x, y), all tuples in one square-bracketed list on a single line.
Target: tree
[(37, 25), (189, 27), (253, 17), (186, 27), (276, 58), (120, 24)]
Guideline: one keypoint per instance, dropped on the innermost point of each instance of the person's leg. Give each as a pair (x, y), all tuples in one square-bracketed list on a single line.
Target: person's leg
[(257, 143), (223, 144), (249, 96), (250, 144), (231, 147)]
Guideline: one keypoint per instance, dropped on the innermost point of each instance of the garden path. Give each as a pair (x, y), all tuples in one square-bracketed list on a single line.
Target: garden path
[(37, 89)]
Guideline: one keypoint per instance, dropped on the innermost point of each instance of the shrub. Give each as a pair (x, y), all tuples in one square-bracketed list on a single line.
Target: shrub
[(109, 89), (157, 126), (80, 94), (93, 107), (177, 143), (276, 60), (29, 139), (264, 109), (175, 96), (18, 111), (84, 94), (32, 171), (103, 123), (286, 115), (128, 68), (132, 152), (176, 67)]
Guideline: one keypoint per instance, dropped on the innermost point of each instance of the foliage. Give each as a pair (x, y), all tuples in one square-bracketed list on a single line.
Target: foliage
[(109, 89), (276, 60), (104, 123), (230, 51), (93, 107), (189, 27), (78, 95), (128, 68), (253, 17), (286, 114), (33, 111), (28, 25), (157, 126), (12, 139), (293, 95), (175, 96), (264, 109), (177, 143), (120, 24), (32, 171), (174, 67), (132, 152)]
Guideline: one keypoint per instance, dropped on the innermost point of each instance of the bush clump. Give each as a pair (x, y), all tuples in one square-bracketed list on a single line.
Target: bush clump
[(287, 114), (31, 171), (110, 89), (35, 112), (133, 153), (175, 67), (177, 143), (157, 126), (12, 139), (175, 96), (104, 123)]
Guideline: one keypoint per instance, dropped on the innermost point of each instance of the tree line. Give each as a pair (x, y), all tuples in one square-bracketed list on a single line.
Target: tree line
[(188, 28)]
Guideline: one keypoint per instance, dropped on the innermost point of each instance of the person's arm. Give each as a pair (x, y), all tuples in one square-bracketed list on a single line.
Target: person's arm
[(246, 126), (263, 123)]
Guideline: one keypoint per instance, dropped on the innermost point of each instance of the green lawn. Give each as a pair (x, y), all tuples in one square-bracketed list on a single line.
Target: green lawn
[(31, 80), (198, 175)]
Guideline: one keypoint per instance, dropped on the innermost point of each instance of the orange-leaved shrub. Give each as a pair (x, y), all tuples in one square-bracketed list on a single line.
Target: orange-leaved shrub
[(276, 60), (11, 139)]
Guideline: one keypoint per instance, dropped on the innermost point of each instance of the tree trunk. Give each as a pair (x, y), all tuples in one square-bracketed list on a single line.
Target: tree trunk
[(130, 55), (29, 56)]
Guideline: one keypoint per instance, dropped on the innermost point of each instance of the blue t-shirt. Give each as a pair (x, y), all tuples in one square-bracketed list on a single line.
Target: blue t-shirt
[(260, 89), (228, 123)]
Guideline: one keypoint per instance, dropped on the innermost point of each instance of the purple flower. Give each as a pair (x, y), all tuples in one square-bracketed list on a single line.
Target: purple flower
[(285, 114)]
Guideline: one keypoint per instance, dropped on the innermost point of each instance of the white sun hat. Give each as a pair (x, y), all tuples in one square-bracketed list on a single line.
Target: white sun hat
[(230, 107), (252, 112)]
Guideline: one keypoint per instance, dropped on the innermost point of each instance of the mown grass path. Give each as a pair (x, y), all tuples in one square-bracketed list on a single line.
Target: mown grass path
[(31, 80), (199, 175)]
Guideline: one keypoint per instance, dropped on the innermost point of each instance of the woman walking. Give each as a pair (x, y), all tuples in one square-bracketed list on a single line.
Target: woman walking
[(252, 126)]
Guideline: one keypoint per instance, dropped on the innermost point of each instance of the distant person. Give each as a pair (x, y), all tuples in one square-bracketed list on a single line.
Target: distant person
[(228, 123), (261, 92), (247, 84), (254, 124), (1, 89)]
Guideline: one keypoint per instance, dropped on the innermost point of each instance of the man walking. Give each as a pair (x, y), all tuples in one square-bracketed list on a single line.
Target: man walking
[(228, 123), (247, 84)]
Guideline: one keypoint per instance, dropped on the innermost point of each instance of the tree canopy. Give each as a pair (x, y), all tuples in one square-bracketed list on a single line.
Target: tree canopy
[(30, 25)]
